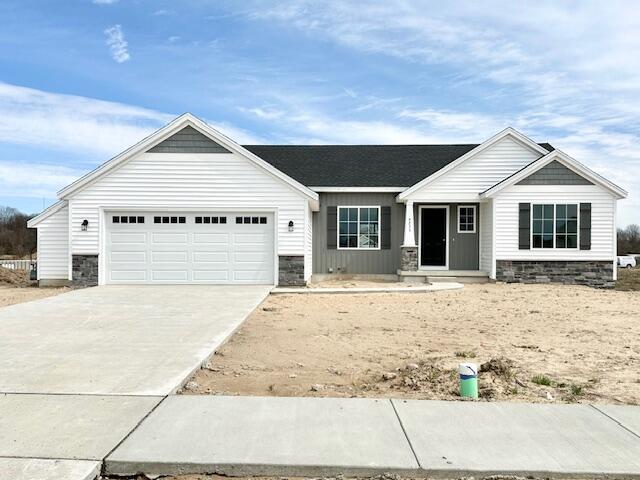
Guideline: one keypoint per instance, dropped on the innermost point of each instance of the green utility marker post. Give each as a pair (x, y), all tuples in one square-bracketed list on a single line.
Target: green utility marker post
[(468, 380)]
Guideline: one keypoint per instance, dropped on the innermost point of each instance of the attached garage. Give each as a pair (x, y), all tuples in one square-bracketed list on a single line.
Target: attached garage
[(189, 247)]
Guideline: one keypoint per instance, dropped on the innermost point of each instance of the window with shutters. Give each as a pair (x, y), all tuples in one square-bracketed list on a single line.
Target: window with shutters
[(359, 228), (554, 225)]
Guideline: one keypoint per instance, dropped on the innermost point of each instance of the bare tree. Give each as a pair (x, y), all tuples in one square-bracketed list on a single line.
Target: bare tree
[(15, 238), (629, 240)]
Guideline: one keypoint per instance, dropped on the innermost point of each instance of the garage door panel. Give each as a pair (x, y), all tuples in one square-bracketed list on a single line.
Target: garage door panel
[(211, 275), (129, 275), (170, 275), (129, 257), (129, 238), (190, 252), (206, 257), (211, 238), (169, 238), (169, 256)]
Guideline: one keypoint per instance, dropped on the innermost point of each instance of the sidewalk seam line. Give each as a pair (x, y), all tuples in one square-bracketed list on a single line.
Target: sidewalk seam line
[(102, 466), (405, 433), (616, 421), (31, 457)]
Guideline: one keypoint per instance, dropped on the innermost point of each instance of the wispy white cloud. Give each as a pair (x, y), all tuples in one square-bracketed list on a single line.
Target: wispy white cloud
[(117, 44), (19, 179), (105, 2), (68, 122)]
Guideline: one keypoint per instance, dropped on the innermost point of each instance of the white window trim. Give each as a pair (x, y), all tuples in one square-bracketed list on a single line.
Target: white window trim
[(475, 218), (358, 233), (577, 247)]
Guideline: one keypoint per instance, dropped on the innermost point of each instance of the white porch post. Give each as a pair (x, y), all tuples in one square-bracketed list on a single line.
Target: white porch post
[(409, 235)]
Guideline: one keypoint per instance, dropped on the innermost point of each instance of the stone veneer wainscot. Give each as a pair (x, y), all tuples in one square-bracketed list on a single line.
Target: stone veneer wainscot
[(597, 274)]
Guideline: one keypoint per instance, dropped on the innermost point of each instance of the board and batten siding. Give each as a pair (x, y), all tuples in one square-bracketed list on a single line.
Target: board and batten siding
[(357, 261), (486, 236), (602, 221), (466, 181), (463, 247), (190, 181), (53, 246)]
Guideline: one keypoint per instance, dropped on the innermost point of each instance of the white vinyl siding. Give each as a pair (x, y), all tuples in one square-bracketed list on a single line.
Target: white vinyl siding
[(486, 236), (192, 182), (602, 221), (478, 173), (53, 246)]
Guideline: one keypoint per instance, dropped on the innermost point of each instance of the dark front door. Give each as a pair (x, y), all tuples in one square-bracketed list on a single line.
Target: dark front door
[(433, 235)]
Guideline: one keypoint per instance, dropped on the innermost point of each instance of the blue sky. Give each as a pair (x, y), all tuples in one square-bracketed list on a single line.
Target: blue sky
[(81, 80)]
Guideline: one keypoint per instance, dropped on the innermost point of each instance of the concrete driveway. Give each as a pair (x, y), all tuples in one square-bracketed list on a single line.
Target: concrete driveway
[(118, 340)]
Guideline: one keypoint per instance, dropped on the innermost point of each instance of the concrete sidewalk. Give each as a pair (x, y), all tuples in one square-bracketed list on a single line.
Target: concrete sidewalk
[(329, 436)]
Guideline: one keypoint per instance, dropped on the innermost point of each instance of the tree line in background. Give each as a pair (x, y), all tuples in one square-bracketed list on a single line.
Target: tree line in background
[(16, 239), (629, 239)]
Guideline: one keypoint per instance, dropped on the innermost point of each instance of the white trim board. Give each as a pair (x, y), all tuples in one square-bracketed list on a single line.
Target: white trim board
[(46, 213), (165, 132), (517, 136), (569, 162)]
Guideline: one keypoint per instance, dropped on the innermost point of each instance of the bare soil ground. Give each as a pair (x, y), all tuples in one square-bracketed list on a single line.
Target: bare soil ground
[(15, 287), (536, 343)]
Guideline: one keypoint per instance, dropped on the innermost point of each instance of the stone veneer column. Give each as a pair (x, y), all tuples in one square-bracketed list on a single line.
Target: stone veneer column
[(408, 259), (291, 271), (84, 270)]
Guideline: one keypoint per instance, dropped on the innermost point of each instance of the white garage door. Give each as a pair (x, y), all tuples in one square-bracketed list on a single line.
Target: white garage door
[(212, 247)]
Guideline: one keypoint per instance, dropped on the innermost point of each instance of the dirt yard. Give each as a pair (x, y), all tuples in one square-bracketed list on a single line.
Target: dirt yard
[(15, 287), (537, 343)]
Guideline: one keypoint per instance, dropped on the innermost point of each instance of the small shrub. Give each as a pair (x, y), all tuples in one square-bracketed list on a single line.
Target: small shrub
[(541, 380), (576, 390), (465, 354)]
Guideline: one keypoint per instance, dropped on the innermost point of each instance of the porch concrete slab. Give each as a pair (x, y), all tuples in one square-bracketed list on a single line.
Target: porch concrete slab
[(471, 438), (266, 436), (627, 415), (46, 469), (84, 427), (120, 339)]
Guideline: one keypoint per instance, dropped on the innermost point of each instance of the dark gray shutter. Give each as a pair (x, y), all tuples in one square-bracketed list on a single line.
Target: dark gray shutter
[(332, 228), (585, 226), (385, 214), (524, 226)]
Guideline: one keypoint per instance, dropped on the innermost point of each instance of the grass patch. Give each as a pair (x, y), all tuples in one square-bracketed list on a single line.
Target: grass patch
[(576, 390), (628, 279), (465, 354), (541, 380)]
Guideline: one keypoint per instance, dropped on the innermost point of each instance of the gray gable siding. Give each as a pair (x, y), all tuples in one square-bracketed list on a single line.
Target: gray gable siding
[(357, 261), (555, 173), (188, 140)]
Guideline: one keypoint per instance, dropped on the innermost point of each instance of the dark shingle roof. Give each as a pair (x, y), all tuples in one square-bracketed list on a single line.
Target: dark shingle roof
[(361, 165)]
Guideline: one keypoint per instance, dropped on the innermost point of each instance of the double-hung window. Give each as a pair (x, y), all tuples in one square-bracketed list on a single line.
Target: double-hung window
[(555, 225), (359, 227)]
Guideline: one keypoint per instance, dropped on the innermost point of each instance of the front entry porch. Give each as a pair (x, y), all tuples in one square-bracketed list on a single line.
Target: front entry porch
[(441, 242)]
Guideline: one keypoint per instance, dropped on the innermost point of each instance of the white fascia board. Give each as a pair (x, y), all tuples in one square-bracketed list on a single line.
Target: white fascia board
[(519, 137), (358, 189), (565, 160), (46, 213), (165, 132)]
